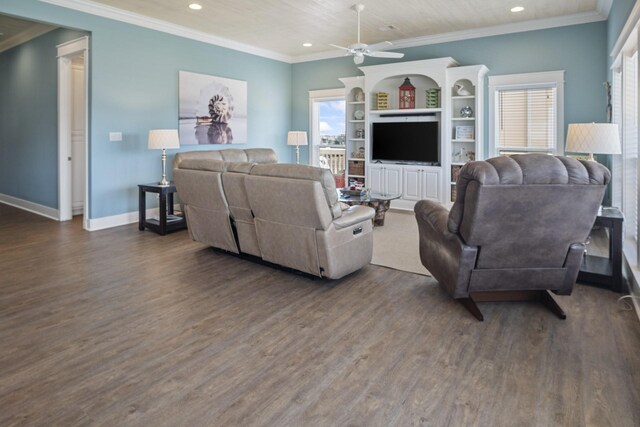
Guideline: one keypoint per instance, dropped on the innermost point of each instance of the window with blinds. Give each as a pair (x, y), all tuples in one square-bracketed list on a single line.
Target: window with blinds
[(616, 160), (630, 145), (526, 120)]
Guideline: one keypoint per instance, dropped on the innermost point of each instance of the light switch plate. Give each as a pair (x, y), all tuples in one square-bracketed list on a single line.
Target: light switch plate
[(115, 136)]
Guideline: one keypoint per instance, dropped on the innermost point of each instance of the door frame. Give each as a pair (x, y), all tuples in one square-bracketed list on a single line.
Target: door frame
[(66, 51), (316, 96)]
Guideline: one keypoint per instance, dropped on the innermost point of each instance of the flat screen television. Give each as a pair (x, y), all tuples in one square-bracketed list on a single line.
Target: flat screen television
[(406, 142)]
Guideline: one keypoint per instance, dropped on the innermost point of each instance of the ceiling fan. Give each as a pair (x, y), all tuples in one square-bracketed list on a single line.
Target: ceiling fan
[(360, 50)]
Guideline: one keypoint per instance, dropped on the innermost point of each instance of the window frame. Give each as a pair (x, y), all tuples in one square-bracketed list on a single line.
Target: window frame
[(521, 81)]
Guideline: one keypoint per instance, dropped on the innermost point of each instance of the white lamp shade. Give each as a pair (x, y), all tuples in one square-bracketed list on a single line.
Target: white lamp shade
[(598, 138), (163, 138), (297, 138)]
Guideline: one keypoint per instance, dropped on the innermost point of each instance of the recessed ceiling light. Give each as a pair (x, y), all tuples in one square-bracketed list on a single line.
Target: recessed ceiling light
[(517, 9), (389, 27), (195, 6), (307, 44)]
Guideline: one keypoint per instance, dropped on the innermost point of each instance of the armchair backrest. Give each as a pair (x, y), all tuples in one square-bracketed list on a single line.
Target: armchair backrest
[(526, 210)]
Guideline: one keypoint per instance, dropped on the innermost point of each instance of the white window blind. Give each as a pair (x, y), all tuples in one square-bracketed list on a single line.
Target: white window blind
[(526, 119), (630, 146)]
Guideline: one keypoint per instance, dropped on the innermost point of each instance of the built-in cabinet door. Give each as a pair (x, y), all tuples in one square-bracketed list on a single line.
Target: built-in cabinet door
[(393, 179), (376, 178), (430, 182), (411, 183)]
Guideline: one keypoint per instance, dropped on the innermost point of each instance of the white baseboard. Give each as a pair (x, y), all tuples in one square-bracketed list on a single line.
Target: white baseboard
[(95, 224), (28, 206)]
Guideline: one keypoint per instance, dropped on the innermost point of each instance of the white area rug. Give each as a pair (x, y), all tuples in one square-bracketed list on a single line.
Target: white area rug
[(395, 244)]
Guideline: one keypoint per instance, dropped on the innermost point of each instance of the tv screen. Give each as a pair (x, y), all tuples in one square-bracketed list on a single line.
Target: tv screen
[(406, 142)]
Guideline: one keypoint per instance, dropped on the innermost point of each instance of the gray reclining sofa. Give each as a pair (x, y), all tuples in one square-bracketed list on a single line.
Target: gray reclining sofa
[(243, 202)]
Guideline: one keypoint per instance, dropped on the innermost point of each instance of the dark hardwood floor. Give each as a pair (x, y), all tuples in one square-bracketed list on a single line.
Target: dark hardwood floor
[(122, 327)]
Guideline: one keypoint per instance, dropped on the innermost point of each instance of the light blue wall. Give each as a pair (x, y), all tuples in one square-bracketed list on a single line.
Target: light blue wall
[(134, 88), (580, 50), (28, 119)]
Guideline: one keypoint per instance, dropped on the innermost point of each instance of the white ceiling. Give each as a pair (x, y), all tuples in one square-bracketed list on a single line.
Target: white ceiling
[(277, 28)]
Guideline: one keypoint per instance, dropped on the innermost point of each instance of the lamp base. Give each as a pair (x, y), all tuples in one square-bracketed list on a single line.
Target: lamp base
[(591, 158), (163, 182)]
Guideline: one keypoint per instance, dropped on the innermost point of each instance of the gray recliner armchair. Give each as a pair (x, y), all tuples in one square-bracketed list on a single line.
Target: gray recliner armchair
[(516, 230)]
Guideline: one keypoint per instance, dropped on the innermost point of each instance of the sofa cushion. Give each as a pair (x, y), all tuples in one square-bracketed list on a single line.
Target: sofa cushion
[(203, 164), (239, 167), (233, 155), (261, 155), (206, 154), (310, 173)]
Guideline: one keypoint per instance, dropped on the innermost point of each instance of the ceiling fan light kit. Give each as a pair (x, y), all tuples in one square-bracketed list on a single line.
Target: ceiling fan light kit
[(360, 50)]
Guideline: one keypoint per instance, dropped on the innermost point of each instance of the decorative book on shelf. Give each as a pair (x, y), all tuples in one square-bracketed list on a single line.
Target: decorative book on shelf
[(382, 101)]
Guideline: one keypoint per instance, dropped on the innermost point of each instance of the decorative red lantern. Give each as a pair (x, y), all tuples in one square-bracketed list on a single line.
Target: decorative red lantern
[(407, 93)]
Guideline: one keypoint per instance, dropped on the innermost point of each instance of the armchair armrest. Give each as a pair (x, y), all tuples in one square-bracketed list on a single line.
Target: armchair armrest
[(442, 252), (354, 215)]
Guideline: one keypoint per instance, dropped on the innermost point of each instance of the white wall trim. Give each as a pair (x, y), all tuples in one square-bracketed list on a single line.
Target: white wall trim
[(36, 30), (121, 15), (28, 206), (629, 27), (604, 7), (105, 222), (532, 25)]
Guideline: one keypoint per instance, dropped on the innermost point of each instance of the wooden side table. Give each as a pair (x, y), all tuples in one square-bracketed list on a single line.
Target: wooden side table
[(167, 221), (601, 271)]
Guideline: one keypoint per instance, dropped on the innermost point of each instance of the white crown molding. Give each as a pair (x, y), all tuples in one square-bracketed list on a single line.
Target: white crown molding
[(36, 30), (532, 25), (604, 7), (28, 206), (121, 15), (98, 9)]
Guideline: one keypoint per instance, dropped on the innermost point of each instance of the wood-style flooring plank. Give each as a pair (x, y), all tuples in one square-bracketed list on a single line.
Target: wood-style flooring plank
[(122, 327)]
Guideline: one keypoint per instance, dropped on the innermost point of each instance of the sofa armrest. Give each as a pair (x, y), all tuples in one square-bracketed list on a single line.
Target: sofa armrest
[(354, 215)]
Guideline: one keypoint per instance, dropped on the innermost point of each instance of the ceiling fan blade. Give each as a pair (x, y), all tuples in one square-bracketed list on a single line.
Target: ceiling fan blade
[(379, 46), (339, 47), (384, 54)]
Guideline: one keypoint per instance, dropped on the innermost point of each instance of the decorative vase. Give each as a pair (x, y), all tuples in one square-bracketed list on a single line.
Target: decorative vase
[(461, 91), (466, 112)]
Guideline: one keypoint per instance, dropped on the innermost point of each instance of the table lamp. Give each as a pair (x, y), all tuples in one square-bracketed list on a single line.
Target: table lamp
[(163, 139), (297, 138), (598, 138)]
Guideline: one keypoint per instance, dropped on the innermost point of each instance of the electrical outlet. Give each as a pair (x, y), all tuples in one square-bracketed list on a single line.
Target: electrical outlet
[(115, 136)]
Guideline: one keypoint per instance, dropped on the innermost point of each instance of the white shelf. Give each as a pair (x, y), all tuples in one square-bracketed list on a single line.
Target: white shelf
[(356, 121), (355, 176), (408, 111), (355, 102), (457, 164), (463, 97), (467, 119), (463, 140), (356, 139)]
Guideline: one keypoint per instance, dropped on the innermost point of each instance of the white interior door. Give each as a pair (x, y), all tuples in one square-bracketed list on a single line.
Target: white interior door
[(78, 129)]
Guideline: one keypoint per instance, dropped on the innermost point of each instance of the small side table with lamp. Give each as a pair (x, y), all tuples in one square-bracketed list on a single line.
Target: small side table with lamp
[(600, 138), (160, 139)]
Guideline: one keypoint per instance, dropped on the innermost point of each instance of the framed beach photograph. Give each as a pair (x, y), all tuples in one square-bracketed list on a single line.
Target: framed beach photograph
[(212, 110)]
